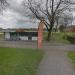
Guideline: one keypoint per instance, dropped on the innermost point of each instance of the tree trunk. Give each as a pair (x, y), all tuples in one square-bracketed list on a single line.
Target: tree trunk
[(56, 29), (51, 21), (49, 33)]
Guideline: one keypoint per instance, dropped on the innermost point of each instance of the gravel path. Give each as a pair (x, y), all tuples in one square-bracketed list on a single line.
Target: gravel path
[(56, 63)]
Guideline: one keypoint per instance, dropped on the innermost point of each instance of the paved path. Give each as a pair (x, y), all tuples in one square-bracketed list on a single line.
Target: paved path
[(19, 44), (33, 44), (56, 63)]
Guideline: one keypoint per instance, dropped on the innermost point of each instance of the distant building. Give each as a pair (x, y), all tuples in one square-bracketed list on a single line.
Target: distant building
[(20, 34), (70, 28)]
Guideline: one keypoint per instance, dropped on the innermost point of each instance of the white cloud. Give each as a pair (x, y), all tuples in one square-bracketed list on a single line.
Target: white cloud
[(8, 19), (14, 16)]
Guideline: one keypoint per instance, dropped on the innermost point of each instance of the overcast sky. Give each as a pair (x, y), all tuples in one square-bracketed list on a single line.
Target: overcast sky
[(14, 17)]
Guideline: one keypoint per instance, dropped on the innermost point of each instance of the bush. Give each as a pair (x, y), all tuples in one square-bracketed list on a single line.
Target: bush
[(61, 28), (71, 38)]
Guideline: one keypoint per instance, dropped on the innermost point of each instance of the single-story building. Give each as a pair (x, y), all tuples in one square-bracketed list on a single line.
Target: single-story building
[(20, 34)]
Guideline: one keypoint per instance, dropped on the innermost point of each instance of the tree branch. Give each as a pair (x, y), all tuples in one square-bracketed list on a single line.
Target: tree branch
[(57, 6), (47, 25), (35, 12), (47, 7)]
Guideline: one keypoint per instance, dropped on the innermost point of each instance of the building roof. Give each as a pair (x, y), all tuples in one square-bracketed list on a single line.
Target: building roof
[(19, 30)]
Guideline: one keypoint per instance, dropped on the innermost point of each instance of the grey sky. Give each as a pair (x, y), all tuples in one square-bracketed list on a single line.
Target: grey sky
[(14, 17)]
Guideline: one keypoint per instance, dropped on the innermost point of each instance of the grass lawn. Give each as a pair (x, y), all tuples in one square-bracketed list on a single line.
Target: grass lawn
[(1, 35), (57, 37), (71, 55), (71, 33), (14, 61), (60, 37)]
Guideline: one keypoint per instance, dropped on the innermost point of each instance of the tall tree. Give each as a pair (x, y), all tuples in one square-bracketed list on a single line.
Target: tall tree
[(48, 9), (64, 19)]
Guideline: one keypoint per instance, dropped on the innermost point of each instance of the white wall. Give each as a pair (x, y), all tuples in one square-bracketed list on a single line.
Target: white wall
[(23, 37), (34, 38), (26, 38), (7, 35)]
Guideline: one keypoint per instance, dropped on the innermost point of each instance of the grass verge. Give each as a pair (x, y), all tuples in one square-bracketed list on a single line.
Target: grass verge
[(15, 61), (58, 37), (71, 55)]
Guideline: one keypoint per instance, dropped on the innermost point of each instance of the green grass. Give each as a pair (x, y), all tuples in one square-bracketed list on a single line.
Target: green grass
[(1, 35), (71, 33), (60, 37), (71, 55), (14, 61), (57, 37)]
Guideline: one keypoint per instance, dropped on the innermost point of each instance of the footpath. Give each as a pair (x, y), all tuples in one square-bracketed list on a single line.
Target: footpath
[(56, 62)]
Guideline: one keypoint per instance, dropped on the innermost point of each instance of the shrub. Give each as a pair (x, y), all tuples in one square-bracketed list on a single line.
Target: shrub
[(71, 38)]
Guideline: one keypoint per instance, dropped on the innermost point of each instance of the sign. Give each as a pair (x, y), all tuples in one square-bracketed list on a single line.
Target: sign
[(40, 33)]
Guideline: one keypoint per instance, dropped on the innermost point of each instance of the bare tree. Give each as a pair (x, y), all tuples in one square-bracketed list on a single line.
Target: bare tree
[(64, 19), (48, 9), (57, 19), (3, 5)]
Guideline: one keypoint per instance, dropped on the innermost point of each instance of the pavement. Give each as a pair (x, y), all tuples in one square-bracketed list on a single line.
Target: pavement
[(56, 63), (33, 44), (18, 44)]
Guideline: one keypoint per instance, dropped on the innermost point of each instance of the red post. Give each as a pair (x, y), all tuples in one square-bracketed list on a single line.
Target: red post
[(40, 33)]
